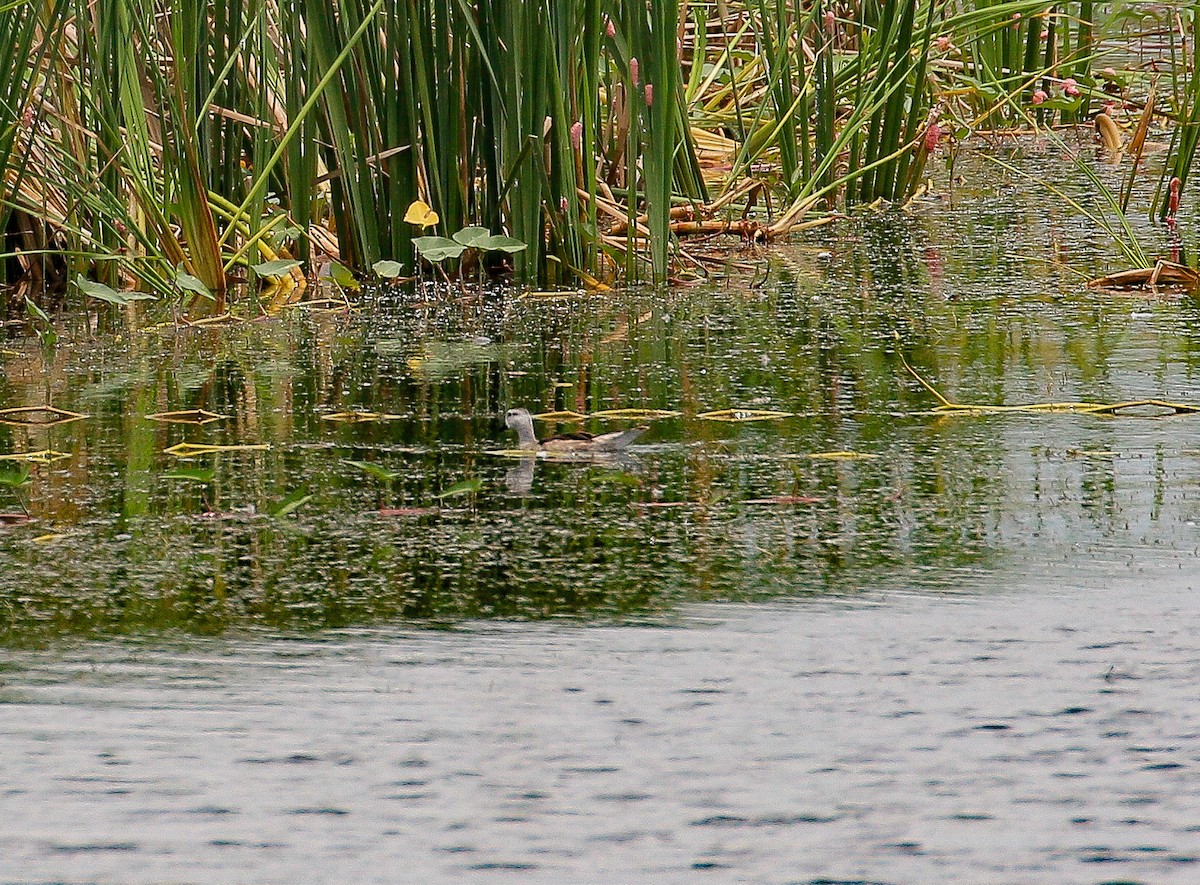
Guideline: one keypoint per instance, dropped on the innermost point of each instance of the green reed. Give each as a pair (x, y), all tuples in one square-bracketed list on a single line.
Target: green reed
[(177, 139), (1185, 139)]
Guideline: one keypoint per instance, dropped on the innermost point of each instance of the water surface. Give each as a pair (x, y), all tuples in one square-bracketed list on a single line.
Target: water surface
[(380, 651)]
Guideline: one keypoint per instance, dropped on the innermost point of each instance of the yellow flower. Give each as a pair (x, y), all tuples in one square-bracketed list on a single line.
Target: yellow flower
[(420, 213)]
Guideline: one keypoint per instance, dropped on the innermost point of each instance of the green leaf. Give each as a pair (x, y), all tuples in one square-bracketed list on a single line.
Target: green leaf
[(375, 470), (35, 312), (471, 237), (14, 479), (341, 275), (107, 293), (500, 243), (189, 283), (42, 327), (291, 503), (480, 238), (389, 270), (288, 232), (466, 487), (192, 474), (438, 249), (276, 268)]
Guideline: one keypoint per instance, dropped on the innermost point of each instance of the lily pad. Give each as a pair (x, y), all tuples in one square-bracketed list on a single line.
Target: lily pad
[(388, 269), (473, 237), (501, 243), (484, 240), (437, 249)]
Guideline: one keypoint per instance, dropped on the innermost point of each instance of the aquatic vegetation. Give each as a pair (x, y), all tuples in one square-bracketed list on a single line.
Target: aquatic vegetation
[(741, 415), (38, 416), (270, 142), (187, 416), (1140, 406), (188, 450), (120, 537)]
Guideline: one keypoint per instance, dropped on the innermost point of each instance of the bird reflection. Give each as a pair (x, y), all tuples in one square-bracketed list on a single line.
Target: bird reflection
[(519, 479)]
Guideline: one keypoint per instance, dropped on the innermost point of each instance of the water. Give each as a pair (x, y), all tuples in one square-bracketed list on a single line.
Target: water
[(1031, 734), (963, 655)]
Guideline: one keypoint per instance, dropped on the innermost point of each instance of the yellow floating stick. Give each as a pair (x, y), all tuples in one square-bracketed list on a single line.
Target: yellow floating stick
[(359, 417), (744, 415), (223, 319), (946, 407), (45, 456), (187, 416), (188, 450), (323, 305), (840, 456), (637, 414), (25, 416)]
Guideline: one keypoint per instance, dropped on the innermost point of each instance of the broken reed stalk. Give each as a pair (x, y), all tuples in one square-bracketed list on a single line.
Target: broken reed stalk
[(947, 407)]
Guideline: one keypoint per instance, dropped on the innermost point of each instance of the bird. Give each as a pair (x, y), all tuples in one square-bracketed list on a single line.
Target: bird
[(568, 443)]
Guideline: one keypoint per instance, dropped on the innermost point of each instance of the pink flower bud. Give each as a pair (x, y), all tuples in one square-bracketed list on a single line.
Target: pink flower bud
[(1070, 87), (1173, 205), (1039, 96), (577, 135), (932, 136), (943, 44), (830, 21), (609, 28), (649, 94), (634, 71), (562, 203)]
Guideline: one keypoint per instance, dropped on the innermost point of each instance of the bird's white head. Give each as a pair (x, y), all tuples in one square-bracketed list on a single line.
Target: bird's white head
[(514, 418)]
